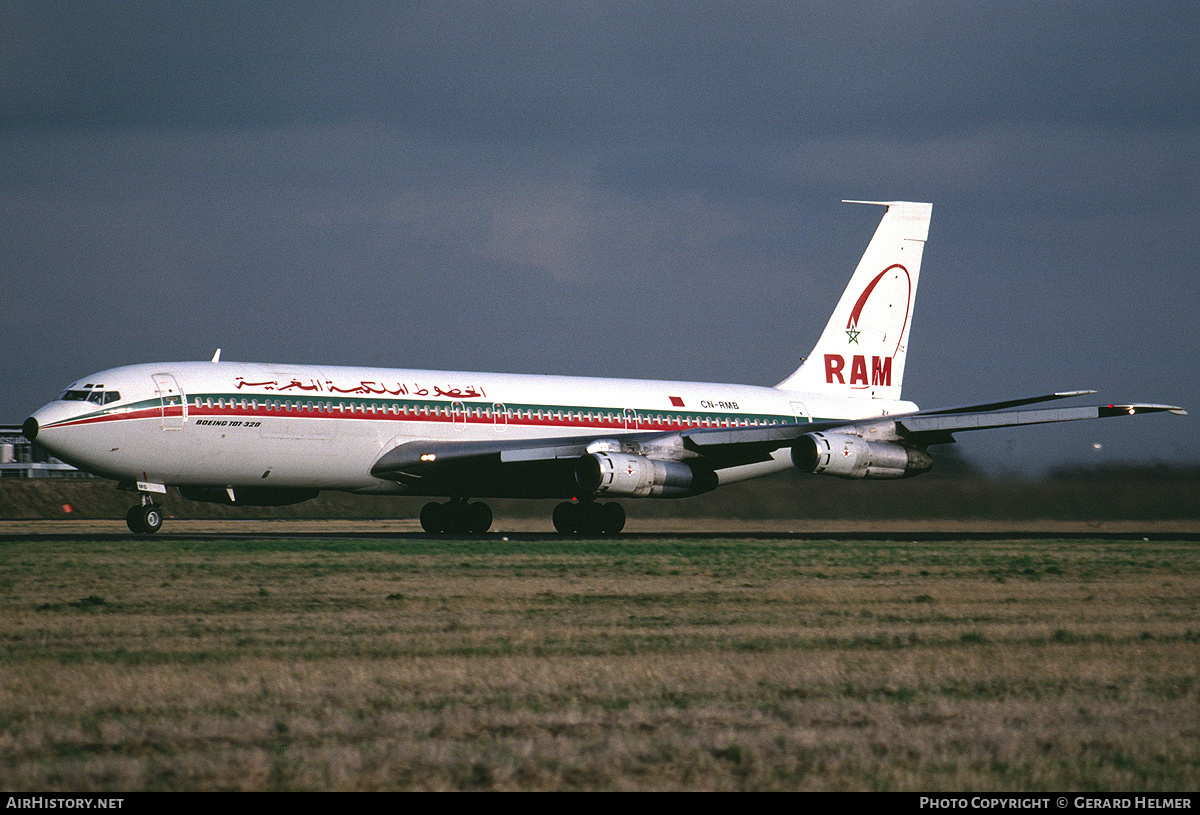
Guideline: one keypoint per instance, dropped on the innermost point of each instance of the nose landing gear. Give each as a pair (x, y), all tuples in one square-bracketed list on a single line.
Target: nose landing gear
[(145, 518)]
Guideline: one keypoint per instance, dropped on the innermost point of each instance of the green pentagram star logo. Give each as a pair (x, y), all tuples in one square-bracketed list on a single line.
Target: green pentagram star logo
[(852, 333)]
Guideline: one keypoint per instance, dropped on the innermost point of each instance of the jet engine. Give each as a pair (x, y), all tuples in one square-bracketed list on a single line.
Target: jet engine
[(640, 477), (854, 457)]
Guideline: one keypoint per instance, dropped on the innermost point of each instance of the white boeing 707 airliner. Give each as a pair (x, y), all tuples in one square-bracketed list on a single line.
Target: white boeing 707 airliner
[(266, 434)]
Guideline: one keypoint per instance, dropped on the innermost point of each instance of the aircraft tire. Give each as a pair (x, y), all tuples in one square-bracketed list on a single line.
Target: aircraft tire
[(591, 519), (145, 519), (566, 518), (433, 517), (456, 517), (479, 517), (612, 518), (133, 519)]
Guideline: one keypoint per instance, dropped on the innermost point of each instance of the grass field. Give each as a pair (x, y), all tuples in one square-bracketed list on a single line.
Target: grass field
[(678, 663)]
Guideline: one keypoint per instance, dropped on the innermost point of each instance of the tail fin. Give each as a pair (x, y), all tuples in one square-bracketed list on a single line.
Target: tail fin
[(861, 352)]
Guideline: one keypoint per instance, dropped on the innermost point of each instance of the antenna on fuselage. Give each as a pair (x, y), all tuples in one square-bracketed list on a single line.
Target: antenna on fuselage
[(217, 356)]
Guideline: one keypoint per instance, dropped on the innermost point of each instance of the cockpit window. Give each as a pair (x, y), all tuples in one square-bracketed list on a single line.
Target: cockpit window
[(98, 397)]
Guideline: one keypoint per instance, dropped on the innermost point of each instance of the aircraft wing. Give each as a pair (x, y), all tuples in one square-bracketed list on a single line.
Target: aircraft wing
[(525, 467), (415, 456), (924, 427), (501, 468)]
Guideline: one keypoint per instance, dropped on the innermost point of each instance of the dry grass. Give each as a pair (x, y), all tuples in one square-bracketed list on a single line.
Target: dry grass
[(664, 664)]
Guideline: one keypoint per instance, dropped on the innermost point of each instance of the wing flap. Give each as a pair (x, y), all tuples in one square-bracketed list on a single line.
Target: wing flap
[(411, 457), (543, 452)]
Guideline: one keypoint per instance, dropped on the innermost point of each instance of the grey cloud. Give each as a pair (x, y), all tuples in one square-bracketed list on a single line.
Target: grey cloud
[(611, 187), (603, 70)]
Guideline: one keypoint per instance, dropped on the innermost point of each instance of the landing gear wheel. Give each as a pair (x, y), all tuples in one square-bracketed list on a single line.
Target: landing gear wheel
[(612, 518), (566, 518), (145, 519), (133, 519), (152, 518), (479, 518), (589, 518), (456, 516), (433, 517)]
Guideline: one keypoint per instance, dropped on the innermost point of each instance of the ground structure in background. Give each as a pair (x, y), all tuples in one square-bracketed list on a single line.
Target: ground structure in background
[(1132, 493)]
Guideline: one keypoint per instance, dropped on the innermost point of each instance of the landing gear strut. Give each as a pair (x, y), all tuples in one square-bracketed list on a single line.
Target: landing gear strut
[(589, 518), (456, 515), (144, 519)]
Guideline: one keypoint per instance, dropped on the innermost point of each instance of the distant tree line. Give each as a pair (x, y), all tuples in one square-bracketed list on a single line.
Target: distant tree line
[(955, 489)]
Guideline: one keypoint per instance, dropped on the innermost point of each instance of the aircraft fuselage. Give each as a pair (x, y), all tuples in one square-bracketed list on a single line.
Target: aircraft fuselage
[(259, 424)]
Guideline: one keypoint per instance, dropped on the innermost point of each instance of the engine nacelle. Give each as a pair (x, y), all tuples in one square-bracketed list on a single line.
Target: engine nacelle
[(640, 477), (248, 496), (847, 456)]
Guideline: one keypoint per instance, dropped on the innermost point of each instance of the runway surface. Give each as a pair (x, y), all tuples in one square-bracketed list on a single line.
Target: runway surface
[(636, 529)]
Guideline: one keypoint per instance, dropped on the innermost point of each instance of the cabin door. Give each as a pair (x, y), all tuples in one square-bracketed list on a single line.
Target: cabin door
[(171, 400)]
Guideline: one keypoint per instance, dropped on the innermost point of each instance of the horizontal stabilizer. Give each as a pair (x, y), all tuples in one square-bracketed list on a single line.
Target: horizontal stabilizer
[(1007, 403), (954, 422)]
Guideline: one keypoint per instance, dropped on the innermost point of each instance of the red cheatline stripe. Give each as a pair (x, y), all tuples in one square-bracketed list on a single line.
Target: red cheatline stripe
[(644, 421)]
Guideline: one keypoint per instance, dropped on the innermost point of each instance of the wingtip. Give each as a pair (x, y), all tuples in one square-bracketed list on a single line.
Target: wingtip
[(1134, 409)]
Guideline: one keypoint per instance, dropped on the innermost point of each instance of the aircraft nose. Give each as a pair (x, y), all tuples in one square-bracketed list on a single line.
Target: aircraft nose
[(30, 429)]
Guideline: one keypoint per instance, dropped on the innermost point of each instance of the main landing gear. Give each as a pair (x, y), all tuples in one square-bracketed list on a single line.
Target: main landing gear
[(589, 518), (145, 518), (570, 517), (456, 515)]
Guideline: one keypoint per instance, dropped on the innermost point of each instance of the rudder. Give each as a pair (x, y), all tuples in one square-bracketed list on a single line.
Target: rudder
[(862, 350)]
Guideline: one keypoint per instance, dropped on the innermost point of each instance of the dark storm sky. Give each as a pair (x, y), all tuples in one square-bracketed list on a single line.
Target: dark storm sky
[(620, 189)]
